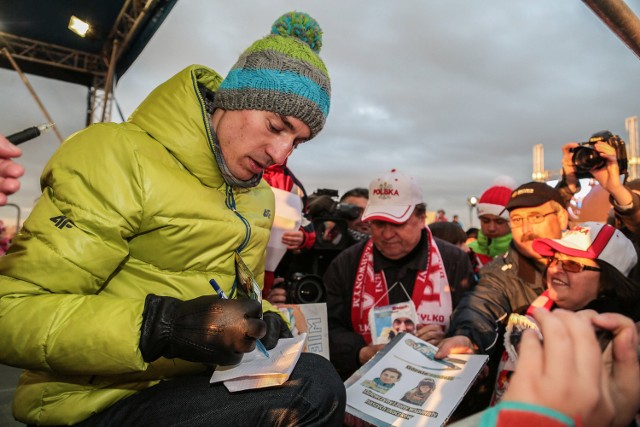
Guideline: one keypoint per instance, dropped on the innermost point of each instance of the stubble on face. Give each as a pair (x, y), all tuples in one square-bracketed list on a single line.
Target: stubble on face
[(550, 228), (252, 140)]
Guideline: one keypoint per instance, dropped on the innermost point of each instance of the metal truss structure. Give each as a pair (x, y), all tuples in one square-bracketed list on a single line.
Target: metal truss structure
[(97, 71)]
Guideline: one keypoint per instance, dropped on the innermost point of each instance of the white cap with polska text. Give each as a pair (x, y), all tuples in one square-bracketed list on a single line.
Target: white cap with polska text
[(392, 198)]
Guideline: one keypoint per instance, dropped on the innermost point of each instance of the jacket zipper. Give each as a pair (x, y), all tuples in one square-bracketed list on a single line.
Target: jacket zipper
[(230, 201)]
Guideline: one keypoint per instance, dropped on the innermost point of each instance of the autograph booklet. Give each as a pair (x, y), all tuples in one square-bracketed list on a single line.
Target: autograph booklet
[(404, 385), (258, 371)]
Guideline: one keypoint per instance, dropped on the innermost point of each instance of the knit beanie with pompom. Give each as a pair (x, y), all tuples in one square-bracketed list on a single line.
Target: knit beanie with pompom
[(282, 73)]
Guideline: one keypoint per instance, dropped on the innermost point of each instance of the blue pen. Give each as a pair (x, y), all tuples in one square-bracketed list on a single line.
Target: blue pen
[(222, 295), (218, 289)]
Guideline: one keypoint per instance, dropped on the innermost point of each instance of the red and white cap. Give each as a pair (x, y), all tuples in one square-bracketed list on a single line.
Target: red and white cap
[(496, 197), (593, 240), (392, 198)]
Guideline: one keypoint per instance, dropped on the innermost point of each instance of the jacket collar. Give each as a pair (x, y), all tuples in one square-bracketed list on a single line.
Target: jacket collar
[(174, 115)]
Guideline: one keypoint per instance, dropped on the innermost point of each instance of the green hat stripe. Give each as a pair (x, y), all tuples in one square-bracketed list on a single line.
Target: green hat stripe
[(291, 47)]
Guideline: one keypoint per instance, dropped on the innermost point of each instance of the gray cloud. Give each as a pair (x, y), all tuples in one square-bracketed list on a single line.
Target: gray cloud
[(455, 93)]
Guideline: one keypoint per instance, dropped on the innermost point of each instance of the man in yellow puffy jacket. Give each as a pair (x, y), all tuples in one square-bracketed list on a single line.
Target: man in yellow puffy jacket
[(105, 295)]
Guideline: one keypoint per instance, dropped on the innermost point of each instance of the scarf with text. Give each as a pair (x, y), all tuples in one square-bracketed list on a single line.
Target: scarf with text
[(431, 292)]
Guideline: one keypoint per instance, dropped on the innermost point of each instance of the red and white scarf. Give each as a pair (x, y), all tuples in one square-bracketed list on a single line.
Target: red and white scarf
[(431, 291)]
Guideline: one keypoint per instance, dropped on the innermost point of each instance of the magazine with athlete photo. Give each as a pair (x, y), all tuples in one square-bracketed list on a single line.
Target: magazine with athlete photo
[(404, 385)]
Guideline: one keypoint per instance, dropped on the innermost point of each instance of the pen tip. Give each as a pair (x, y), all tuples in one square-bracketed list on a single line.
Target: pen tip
[(46, 126)]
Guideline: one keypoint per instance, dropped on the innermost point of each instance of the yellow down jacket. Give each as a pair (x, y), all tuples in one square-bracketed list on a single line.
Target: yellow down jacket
[(126, 210)]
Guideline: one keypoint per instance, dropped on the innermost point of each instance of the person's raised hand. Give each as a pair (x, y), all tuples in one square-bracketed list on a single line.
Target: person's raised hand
[(433, 334), (567, 158), (621, 370), (458, 344), (277, 294), (367, 352), (10, 171), (569, 374), (293, 239), (609, 176)]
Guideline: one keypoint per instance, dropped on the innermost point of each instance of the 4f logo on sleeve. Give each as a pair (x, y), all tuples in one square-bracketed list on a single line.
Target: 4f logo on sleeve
[(61, 222)]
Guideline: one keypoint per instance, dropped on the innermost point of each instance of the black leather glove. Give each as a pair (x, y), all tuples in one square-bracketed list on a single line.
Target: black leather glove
[(206, 329), (276, 329)]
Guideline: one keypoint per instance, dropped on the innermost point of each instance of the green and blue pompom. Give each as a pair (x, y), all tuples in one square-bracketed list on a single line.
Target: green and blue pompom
[(301, 26)]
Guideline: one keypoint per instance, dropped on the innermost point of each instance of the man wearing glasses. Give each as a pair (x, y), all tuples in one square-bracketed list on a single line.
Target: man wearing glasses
[(509, 283)]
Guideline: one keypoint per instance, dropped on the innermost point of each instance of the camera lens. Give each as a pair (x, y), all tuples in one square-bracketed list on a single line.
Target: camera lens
[(586, 158), (309, 289)]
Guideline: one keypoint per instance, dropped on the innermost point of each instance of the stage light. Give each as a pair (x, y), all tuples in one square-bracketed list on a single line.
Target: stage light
[(79, 26)]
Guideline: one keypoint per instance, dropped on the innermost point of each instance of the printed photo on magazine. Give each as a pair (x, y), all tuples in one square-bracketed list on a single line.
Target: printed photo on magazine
[(388, 321), (404, 385)]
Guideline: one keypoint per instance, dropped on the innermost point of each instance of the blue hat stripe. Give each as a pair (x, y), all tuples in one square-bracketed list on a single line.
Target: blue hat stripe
[(278, 80)]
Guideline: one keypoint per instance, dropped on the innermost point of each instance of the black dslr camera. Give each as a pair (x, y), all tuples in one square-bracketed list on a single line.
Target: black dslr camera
[(303, 271), (586, 158), (332, 230), (304, 288)]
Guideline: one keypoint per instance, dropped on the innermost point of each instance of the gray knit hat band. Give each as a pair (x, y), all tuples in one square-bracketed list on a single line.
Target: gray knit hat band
[(286, 104), (274, 60)]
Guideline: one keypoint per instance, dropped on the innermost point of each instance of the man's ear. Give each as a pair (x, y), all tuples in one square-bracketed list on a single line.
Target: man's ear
[(563, 217), (422, 216)]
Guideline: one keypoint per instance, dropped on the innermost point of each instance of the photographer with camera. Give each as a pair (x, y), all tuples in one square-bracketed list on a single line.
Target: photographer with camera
[(280, 177), (336, 225), (604, 157), (357, 198)]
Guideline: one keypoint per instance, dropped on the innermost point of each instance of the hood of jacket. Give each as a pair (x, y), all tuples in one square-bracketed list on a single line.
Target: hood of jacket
[(174, 115)]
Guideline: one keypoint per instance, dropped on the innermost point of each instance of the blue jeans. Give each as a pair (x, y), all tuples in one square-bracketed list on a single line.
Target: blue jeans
[(313, 396)]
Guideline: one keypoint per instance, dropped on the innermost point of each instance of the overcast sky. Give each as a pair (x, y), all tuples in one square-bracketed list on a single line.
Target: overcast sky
[(455, 93)]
